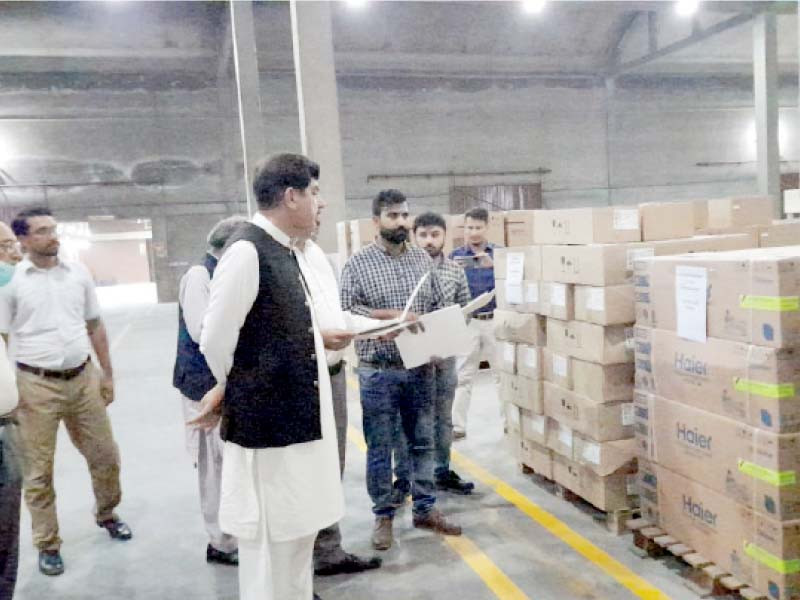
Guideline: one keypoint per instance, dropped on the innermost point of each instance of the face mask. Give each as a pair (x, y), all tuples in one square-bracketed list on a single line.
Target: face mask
[(6, 273)]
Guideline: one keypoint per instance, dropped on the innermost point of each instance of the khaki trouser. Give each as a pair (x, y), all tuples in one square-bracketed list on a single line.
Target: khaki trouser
[(43, 403), (482, 346)]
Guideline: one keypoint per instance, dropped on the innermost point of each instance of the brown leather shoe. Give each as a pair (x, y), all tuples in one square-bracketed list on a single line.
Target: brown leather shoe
[(435, 521), (382, 533)]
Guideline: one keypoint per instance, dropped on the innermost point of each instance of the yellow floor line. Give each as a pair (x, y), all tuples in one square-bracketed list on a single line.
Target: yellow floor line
[(636, 584), (497, 581)]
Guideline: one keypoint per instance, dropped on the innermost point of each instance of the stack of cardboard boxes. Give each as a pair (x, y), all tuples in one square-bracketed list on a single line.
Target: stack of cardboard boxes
[(718, 408), (575, 274)]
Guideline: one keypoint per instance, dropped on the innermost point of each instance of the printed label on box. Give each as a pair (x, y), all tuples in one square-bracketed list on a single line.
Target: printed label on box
[(515, 266), (531, 358), (691, 294), (635, 254), (626, 218), (532, 293), (596, 299), (565, 436), (558, 294), (513, 292), (627, 414), (508, 353), (537, 423), (591, 453), (559, 365)]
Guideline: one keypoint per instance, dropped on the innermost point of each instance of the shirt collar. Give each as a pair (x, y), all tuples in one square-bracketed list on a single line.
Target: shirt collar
[(273, 230), (25, 265)]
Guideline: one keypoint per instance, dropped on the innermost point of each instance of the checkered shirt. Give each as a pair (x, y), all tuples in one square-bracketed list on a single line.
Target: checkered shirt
[(453, 279), (374, 279)]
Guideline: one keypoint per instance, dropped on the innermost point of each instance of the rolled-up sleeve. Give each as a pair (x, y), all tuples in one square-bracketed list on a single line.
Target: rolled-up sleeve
[(233, 290)]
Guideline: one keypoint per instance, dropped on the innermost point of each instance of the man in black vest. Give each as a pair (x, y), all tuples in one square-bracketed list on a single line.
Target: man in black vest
[(194, 379), (262, 342)]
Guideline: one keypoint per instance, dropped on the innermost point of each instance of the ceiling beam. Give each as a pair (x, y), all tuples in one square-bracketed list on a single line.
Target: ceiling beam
[(624, 25)]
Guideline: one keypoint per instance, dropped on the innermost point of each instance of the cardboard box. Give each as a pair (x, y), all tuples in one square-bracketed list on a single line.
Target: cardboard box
[(740, 212), (529, 361), (559, 437), (522, 328), (601, 422), (667, 220), (642, 425), (612, 264), (647, 490), (519, 228), (521, 391), (534, 426), (530, 256), (587, 225), (362, 233), (496, 230), (612, 305), (513, 442), (603, 383), (506, 357), (507, 298), (610, 492), (557, 368), (700, 214), (752, 547), (537, 457), (604, 458), (754, 295), (587, 341), (780, 233), (756, 385), (557, 300), (513, 419), (454, 236), (752, 467)]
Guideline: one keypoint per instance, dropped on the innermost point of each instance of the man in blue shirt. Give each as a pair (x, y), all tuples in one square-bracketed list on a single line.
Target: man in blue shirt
[(477, 258)]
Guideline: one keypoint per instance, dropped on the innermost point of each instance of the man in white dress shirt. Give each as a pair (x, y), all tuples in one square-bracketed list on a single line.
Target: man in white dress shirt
[(263, 343), (50, 308)]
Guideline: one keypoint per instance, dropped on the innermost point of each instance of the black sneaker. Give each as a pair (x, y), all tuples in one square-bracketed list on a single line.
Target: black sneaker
[(118, 530), (50, 562), (223, 558), (451, 482), (400, 491)]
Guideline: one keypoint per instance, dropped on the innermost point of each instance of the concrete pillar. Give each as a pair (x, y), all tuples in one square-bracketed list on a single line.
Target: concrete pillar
[(765, 83), (245, 60), (318, 106)]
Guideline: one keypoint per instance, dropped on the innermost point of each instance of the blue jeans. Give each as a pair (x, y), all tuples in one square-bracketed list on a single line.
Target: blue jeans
[(386, 396), (445, 381)]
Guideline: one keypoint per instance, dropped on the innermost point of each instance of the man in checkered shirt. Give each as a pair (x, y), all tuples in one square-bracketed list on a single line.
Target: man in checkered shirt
[(430, 230), (377, 282)]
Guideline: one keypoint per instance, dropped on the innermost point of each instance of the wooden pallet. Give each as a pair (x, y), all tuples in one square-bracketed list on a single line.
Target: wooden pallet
[(700, 574), (614, 520)]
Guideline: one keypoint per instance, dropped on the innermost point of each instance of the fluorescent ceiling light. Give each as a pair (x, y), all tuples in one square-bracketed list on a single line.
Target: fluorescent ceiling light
[(356, 4), (686, 8), (533, 7)]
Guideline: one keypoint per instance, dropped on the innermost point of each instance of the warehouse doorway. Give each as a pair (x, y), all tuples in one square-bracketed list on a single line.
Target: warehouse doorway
[(526, 196)]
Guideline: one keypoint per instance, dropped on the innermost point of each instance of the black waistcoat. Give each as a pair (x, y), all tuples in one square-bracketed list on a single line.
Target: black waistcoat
[(191, 374), (272, 394)]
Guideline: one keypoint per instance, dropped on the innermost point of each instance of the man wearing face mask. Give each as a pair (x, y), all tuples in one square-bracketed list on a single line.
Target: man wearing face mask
[(377, 282), (10, 467), (430, 230)]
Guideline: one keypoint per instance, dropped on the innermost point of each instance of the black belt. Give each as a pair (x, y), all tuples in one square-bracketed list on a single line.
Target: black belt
[(382, 365), (484, 316), (336, 369), (7, 421), (66, 374)]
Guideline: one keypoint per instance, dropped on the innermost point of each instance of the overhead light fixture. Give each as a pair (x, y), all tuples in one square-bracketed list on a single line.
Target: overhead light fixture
[(7, 151), (687, 8), (356, 4), (533, 7)]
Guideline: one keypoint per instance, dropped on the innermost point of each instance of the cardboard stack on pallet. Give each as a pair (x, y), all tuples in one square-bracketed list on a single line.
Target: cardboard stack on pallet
[(576, 271), (718, 408)]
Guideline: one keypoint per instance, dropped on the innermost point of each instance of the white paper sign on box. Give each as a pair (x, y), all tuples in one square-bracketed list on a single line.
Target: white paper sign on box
[(531, 358), (514, 292), (596, 299), (558, 294), (626, 218), (627, 414), (515, 266), (560, 365), (532, 293), (691, 294)]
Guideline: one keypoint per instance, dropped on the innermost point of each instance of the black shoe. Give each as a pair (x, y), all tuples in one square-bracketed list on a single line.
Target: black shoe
[(224, 558), (400, 491), (451, 482), (317, 597), (349, 564), (117, 529), (50, 562)]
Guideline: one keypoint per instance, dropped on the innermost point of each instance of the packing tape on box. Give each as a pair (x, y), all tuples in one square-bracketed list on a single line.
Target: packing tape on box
[(776, 478), (768, 390), (771, 303), (785, 567)]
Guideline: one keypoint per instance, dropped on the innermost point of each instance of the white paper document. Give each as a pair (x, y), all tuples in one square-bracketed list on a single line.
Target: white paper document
[(393, 324), (691, 294), (478, 303), (445, 334)]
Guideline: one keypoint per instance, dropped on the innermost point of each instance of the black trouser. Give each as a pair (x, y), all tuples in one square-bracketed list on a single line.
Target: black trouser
[(10, 496)]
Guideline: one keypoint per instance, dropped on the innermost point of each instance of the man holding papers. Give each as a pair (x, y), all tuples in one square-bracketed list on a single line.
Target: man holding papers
[(429, 232), (378, 282)]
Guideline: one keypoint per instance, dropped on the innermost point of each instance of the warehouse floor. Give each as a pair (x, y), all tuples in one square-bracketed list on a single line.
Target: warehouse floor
[(519, 541)]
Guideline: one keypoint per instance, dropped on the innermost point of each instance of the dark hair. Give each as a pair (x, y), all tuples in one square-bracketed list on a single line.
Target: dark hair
[(478, 214), (280, 172), (219, 234), (386, 198), (20, 223), (430, 219)]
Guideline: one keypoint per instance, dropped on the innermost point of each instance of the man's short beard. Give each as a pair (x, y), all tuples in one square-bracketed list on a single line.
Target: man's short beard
[(395, 236), (433, 252)]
